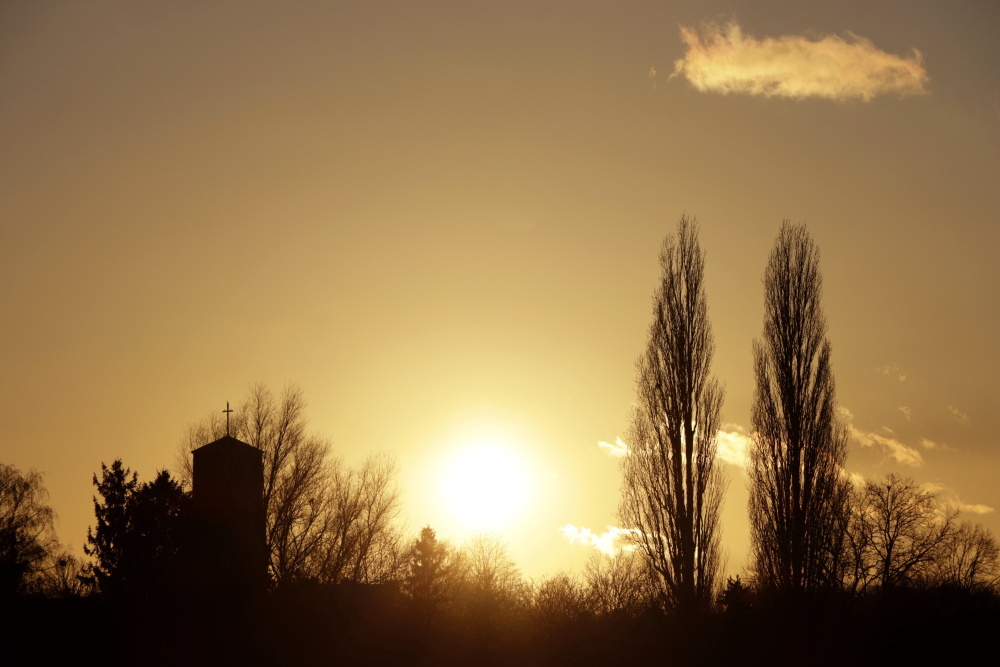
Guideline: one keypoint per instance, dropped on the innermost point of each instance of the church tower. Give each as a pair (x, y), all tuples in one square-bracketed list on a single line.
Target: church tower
[(228, 498)]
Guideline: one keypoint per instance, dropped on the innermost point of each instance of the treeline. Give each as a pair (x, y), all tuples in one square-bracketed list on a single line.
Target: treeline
[(907, 569), (839, 570), (344, 579), (423, 601)]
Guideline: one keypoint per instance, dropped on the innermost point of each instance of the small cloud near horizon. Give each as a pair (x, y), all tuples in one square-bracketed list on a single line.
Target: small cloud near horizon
[(723, 59), (606, 542), (618, 449)]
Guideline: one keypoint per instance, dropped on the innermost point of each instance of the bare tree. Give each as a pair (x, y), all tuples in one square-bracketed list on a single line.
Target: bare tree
[(492, 593), (359, 541), (65, 576), (798, 493), (560, 603), (899, 536), (619, 584), (325, 520), (27, 534), (672, 485), (490, 570), (970, 560)]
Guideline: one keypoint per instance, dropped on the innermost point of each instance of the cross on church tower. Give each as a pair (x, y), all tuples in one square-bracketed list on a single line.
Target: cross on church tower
[(227, 411)]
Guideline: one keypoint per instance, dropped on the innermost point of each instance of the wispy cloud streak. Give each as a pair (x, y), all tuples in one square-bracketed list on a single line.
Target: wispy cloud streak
[(950, 499), (959, 416), (927, 443), (901, 452), (722, 59)]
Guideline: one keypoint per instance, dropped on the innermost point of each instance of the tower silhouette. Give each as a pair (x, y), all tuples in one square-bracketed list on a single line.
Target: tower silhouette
[(228, 498)]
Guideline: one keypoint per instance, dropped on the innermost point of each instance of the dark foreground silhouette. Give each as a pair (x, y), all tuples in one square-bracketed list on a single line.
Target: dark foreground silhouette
[(361, 625)]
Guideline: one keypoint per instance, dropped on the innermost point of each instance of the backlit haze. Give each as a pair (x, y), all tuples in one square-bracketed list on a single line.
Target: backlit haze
[(442, 219)]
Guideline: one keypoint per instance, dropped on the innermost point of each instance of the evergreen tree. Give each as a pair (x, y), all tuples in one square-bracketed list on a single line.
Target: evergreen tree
[(138, 541)]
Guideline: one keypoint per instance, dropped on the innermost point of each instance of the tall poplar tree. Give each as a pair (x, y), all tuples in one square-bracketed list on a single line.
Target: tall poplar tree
[(672, 485), (798, 493)]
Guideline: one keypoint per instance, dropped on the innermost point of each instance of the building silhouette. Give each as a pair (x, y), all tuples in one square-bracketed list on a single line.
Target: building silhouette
[(228, 500)]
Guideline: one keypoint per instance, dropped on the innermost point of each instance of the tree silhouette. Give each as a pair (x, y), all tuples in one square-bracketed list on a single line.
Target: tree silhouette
[(492, 595), (798, 493), (735, 597), (107, 541), (65, 576), (619, 585), (138, 541), (491, 572), (560, 608), (159, 514), (672, 487), (898, 535), (27, 537), (361, 541), (561, 600), (429, 565), (970, 560)]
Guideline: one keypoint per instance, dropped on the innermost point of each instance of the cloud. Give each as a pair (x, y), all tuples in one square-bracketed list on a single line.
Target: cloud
[(722, 59), (619, 449), (906, 411), (975, 509), (733, 443), (959, 416), (949, 499), (927, 443), (891, 371), (606, 542), (890, 445), (856, 479)]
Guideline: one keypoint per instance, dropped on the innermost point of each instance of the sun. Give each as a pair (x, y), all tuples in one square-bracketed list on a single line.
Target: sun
[(485, 486)]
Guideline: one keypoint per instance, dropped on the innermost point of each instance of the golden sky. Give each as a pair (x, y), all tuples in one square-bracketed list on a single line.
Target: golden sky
[(442, 219)]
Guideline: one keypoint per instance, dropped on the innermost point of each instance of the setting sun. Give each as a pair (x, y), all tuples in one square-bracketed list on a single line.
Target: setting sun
[(484, 485)]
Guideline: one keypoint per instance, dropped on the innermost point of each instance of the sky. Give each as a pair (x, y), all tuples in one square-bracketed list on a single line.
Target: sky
[(441, 220)]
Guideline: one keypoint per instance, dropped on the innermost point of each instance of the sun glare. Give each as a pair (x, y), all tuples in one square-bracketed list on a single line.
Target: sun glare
[(485, 486)]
